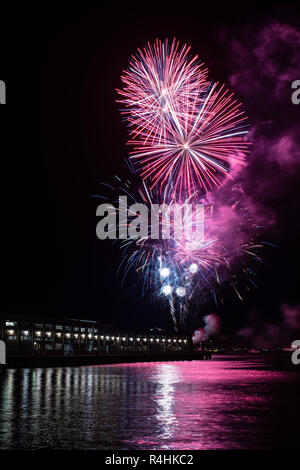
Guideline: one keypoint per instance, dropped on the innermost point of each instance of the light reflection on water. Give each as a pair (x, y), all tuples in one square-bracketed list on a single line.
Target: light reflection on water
[(166, 376), (219, 404)]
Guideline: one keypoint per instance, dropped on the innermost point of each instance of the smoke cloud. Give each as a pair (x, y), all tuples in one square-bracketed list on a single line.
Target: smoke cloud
[(211, 328), (260, 334)]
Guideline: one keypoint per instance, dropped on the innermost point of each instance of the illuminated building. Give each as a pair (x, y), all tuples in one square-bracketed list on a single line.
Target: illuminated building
[(79, 337)]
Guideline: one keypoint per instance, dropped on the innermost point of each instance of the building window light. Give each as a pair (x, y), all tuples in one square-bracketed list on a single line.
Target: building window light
[(11, 332), (38, 333), (96, 336)]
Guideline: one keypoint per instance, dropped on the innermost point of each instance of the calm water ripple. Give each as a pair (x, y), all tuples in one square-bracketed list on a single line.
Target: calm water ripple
[(240, 403)]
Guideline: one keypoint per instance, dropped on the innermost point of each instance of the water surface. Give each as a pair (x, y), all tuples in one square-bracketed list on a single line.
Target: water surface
[(226, 403)]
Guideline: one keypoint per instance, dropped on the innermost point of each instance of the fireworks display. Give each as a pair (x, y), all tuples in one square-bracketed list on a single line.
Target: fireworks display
[(183, 128), (187, 134), (188, 271)]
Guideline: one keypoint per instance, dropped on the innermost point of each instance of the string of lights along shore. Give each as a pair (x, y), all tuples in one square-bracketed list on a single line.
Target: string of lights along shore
[(187, 139)]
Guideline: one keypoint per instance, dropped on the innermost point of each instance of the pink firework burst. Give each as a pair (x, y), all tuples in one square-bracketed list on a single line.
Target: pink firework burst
[(185, 131), (161, 79)]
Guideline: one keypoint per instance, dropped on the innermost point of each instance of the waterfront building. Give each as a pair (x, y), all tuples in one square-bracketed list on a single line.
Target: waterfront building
[(48, 336)]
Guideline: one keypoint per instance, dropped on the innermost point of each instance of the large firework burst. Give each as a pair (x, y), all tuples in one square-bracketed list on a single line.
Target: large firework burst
[(183, 128)]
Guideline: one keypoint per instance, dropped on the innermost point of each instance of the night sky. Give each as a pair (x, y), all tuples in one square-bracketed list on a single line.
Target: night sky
[(62, 135)]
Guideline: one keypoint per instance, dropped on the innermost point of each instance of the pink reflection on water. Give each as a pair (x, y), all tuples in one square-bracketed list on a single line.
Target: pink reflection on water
[(205, 404)]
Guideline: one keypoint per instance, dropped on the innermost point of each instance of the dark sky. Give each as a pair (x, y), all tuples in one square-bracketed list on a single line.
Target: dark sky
[(62, 135)]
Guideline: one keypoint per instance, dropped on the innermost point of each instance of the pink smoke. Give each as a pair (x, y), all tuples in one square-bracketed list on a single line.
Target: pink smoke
[(262, 334), (212, 328)]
